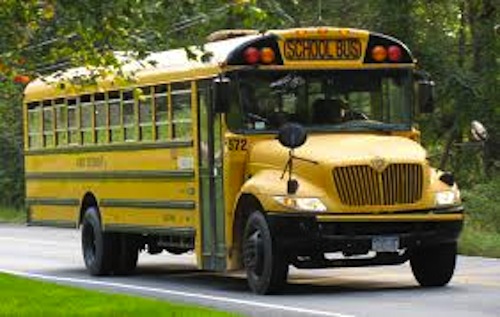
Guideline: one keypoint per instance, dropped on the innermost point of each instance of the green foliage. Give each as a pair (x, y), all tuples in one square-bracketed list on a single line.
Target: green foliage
[(474, 242), (11, 149), (12, 215), (483, 205), (44, 36), (481, 234), (23, 297)]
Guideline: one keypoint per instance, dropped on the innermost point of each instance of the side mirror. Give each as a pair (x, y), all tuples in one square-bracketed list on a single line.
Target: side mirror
[(425, 95), (478, 131), (292, 135), (221, 96)]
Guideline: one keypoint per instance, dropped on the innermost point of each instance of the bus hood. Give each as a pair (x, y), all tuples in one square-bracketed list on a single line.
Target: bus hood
[(338, 150)]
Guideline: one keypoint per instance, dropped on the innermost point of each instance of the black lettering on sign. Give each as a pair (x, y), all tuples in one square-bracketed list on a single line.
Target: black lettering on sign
[(236, 144), (90, 162), (322, 49)]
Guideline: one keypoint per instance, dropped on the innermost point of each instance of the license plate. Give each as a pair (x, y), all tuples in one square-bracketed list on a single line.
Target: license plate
[(385, 244), (322, 49)]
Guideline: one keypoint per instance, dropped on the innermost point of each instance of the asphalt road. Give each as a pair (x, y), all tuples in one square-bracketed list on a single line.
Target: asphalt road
[(54, 254)]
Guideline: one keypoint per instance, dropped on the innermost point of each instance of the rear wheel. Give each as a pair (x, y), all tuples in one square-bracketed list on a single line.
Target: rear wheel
[(434, 265), (99, 248), (266, 265), (107, 253), (126, 255)]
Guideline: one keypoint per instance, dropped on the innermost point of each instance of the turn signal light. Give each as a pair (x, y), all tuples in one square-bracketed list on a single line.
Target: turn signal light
[(379, 53), (267, 55)]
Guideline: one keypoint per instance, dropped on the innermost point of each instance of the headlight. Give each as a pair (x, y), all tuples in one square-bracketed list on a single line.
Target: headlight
[(301, 203), (448, 197)]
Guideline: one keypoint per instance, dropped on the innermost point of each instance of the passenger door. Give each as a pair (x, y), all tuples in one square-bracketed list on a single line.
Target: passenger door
[(211, 201)]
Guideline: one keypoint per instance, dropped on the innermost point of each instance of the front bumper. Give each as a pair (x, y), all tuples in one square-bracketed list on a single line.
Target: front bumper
[(306, 234)]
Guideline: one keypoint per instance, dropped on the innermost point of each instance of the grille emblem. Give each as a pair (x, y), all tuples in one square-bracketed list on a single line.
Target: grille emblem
[(378, 164)]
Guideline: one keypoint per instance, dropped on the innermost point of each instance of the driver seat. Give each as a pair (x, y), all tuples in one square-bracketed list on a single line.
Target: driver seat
[(327, 111)]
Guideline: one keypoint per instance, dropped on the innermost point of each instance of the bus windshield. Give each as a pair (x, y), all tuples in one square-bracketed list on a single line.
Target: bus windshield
[(322, 100)]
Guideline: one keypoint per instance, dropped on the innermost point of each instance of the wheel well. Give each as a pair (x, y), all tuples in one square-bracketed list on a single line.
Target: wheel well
[(88, 201), (246, 205)]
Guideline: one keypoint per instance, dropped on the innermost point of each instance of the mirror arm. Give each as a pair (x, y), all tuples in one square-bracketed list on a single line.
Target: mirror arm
[(305, 160), (291, 185)]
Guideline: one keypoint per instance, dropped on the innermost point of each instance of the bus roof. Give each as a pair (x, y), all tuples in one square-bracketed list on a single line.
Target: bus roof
[(165, 64), (301, 47)]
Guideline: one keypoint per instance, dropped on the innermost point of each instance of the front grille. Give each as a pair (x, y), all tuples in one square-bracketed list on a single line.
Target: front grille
[(361, 185)]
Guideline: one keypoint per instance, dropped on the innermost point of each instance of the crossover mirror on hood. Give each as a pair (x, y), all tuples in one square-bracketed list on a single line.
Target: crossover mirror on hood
[(292, 135), (478, 131)]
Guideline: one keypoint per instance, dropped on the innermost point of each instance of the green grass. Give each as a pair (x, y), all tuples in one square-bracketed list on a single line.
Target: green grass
[(481, 235), (474, 241), (12, 215), (25, 297)]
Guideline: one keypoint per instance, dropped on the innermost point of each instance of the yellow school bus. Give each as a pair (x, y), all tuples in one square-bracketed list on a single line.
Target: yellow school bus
[(285, 147)]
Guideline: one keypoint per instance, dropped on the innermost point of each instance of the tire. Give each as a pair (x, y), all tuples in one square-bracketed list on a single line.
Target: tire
[(433, 266), (266, 266), (127, 254), (99, 248)]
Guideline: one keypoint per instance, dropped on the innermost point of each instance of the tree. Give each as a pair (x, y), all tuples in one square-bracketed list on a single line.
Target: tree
[(482, 16)]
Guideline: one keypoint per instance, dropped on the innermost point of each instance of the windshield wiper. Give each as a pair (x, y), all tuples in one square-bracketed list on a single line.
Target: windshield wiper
[(367, 124)]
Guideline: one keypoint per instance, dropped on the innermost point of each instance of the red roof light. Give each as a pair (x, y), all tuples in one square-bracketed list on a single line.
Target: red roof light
[(252, 55), (394, 53)]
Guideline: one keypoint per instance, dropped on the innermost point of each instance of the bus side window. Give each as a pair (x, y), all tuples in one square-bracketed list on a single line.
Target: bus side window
[(61, 122), (161, 112), (86, 118), (73, 126), (34, 125), (129, 115), (181, 111), (48, 123), (115, 116), (101, 118), (145, 114)]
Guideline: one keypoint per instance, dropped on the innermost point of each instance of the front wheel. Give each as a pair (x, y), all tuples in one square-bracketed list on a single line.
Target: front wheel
[(266, 265), (433, 266)]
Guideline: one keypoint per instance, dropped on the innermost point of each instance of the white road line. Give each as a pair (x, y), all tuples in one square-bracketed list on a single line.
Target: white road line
[(176, 293)]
